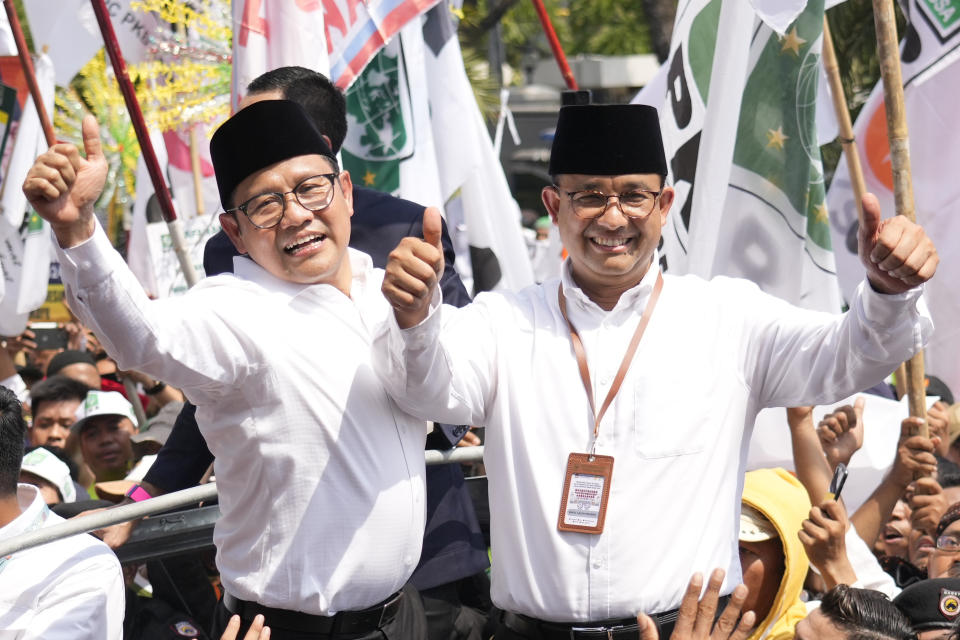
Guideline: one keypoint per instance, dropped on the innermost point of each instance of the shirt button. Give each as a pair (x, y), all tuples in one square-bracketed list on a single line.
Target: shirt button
[(597, 564), (407, 560)]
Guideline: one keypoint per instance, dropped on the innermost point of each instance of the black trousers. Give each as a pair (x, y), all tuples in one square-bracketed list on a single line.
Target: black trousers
[(409, 624), (458, 610)]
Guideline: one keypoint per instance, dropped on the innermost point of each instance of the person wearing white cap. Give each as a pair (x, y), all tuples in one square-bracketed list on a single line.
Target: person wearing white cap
[(105, 423), (47, 472)]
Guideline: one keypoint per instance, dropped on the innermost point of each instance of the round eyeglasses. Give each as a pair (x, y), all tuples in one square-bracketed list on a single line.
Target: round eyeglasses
[(589, 204), (266, 210)]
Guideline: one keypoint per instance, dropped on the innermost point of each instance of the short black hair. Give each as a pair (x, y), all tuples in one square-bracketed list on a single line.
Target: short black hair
[(56, 389), (865, 614), (13, 428), (321, 99)]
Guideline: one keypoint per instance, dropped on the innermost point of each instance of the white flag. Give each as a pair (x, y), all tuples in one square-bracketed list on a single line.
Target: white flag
[(25, 249), (275, 33), (930, 66)]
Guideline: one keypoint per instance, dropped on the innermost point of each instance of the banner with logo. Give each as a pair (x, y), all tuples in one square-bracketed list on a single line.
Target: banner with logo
[(930, 66), (741, 140), (415, 130), (68, 32)]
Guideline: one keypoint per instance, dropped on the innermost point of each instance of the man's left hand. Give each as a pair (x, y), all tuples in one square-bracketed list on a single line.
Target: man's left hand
[(897, 254)]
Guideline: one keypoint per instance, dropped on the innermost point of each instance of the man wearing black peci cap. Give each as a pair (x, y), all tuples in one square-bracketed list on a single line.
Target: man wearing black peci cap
[(609, 486), (320, 476)]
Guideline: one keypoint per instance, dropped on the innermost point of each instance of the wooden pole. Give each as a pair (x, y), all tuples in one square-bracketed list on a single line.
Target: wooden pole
[(195, 168), (27, 63), (888, 50), (143, 137), (558, 53)]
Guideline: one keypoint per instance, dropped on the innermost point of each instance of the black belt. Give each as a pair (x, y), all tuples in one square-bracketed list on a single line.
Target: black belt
[(618, 629), (344, 622)]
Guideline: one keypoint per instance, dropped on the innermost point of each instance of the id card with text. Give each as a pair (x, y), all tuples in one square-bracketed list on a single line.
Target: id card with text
[(586, 488)]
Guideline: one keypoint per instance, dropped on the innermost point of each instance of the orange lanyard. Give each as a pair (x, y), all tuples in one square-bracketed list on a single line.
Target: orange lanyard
[(627, 357)]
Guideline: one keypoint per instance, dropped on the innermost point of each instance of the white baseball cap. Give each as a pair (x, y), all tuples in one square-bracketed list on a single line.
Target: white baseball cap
[(44, 464), (103, 403)]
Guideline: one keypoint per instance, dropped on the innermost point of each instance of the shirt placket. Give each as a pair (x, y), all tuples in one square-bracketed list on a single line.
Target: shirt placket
[(604, 361)]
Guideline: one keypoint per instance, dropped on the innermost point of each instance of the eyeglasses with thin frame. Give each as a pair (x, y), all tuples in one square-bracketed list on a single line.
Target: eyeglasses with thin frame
[(589, 204), (266, 210), (949, 543)]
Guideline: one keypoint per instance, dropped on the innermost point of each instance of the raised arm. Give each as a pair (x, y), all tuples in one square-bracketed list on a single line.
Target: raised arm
[(183, 342)]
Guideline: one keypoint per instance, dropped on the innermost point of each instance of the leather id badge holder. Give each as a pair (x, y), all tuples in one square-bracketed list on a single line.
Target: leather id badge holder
[(586, 488)]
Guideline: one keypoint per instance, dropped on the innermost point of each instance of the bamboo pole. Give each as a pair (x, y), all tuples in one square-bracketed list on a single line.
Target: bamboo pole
[(558, 53), (195, 169), (174, 225), (888, 50), (27, 63)]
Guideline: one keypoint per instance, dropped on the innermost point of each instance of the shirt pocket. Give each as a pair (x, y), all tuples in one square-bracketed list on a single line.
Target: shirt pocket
[(664, 427)]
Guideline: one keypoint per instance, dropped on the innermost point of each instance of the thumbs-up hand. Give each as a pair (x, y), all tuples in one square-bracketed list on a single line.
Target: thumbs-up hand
[(412, 272), (62, 186), (898, 254)]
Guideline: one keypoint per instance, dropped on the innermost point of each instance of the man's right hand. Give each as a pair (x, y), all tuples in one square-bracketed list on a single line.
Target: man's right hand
[(412, 272), (62, 186)]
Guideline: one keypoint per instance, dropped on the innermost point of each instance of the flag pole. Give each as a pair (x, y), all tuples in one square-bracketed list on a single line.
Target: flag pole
[(558, 53), (195, 169), (888, 50), (27, 63), (174, 225)]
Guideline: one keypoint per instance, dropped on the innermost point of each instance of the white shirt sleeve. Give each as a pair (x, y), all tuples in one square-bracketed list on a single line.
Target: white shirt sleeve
[(794, 356), (16, 384), (182, 341), (417, 369)]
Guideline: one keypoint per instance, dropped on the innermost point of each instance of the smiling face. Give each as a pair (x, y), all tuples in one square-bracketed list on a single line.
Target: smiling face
[(307, 247), (611, 251)]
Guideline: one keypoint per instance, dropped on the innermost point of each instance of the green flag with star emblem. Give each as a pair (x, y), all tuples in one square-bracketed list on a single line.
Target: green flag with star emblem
[(379, 122), (744, 155)]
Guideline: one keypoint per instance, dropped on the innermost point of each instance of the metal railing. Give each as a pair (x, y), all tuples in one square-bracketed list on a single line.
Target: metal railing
[(160, 504)]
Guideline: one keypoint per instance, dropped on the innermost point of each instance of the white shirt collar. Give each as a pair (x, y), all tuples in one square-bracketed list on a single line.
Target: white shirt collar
[(627, 300), (246, 268), (32, 508)]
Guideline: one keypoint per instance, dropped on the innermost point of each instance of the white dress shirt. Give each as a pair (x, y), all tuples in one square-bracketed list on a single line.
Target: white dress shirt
[(320, 475), (713, 355), (68, 589)]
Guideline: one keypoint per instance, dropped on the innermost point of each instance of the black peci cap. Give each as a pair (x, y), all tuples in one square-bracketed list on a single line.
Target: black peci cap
[(258, 136), (608, 140)]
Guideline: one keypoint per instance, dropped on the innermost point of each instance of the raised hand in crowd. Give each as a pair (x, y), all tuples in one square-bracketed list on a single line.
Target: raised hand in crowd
[(896, 252), (823, 535), (927, 504), (62, 186), (695, 620), (841, 433), (412, 272), (10, 347), (938, 420), (811, 466), (914, 459)]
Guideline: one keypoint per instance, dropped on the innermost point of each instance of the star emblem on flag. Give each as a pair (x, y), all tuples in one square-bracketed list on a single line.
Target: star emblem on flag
[(776, 138), (792, 42)]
